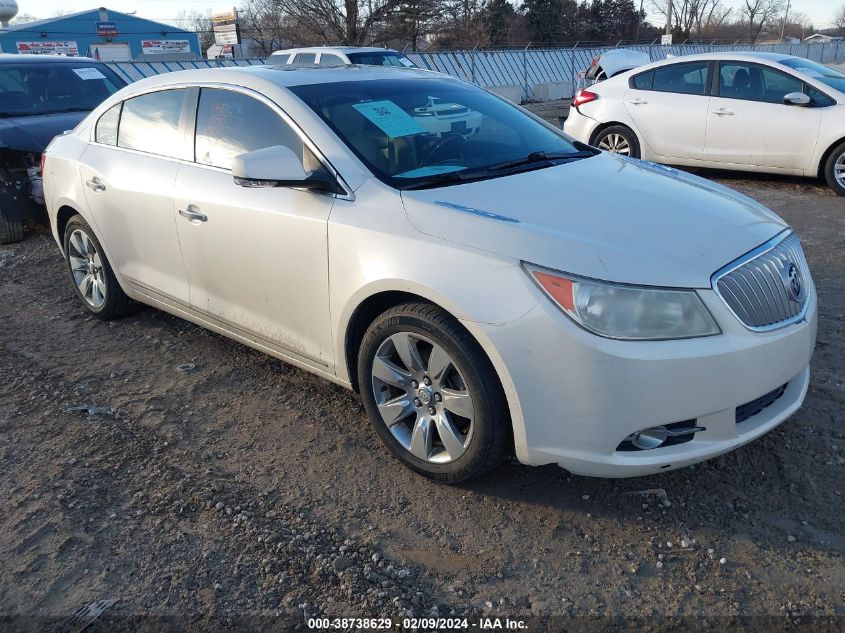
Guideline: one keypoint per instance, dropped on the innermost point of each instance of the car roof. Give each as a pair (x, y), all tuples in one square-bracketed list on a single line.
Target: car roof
[(745, 56), (340, 49), (24, 58), (287, 76)]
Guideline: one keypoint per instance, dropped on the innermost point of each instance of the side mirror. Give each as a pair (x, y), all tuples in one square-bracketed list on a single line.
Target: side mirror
[(277, 166), (796, 99)]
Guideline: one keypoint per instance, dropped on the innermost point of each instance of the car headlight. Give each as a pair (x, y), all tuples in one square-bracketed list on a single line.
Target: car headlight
[(621, 311)]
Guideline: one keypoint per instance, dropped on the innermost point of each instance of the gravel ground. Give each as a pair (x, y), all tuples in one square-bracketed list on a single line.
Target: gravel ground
[(153, 463)]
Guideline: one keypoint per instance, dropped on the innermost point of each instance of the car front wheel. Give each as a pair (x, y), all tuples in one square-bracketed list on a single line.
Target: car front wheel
[(834, 170), (618, 139), (432, 394), (92, 276)]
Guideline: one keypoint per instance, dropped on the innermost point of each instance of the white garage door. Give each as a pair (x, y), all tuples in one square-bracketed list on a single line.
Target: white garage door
[(111, 52)]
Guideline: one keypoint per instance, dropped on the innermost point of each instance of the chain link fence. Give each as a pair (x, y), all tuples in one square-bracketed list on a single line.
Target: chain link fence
[(521, 75)]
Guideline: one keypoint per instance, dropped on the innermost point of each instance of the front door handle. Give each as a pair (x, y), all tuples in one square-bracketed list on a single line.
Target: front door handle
[(723, 112), (193, 214), (96, 184)]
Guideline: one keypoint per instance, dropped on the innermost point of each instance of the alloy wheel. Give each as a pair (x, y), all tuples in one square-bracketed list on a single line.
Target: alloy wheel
[(87, 269), (839, 170), (615, 143), (422, 397)]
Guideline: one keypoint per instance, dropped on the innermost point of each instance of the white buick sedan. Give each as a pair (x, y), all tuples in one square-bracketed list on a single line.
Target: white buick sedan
[(760, 112), (506, 291)]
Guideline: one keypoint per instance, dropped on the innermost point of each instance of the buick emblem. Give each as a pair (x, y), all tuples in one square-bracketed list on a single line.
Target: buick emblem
[(791, 277)]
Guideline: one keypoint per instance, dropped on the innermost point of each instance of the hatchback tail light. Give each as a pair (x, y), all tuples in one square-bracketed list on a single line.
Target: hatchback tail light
[(584, 96), (41, 166)]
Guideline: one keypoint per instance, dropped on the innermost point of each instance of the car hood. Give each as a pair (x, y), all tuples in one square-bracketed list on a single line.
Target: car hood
[(34, 133), (605, 217)]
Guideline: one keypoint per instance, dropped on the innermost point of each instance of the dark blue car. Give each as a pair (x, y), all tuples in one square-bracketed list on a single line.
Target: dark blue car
[(41, 96)]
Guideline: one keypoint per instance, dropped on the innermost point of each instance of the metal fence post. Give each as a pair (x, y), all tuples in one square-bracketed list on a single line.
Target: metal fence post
[(525, 73), (472, 62)]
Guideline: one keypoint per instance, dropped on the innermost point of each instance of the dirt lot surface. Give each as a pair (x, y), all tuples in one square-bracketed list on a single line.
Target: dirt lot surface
[(209, 479)]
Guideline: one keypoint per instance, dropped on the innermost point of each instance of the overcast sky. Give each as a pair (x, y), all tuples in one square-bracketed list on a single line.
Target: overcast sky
[(819, 11)]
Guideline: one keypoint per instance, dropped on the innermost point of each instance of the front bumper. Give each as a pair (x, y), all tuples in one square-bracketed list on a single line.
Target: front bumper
[(577, 396)]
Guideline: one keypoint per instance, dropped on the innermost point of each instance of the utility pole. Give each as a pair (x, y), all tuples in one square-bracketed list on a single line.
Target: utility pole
[(669, 18), (785, 17)]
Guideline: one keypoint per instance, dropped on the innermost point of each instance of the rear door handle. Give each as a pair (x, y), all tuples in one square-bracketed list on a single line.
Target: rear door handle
[(639, 101), (193, 214), (96, 184), (723, 112)]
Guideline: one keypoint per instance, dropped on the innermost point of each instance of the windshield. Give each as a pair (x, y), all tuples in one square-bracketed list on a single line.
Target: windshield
[(825, 74), (414, 131), (50, 88), (387, 58)]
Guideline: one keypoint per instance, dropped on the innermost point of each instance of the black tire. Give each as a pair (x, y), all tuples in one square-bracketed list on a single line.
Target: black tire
[(11, 231), (623, 131), (490, 441), (837, 155), (116, 304)]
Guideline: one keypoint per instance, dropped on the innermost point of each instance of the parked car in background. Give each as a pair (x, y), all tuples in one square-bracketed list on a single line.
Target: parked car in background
[(509, 291), (40, 96), (435, 116), (611, 63), (340, 55), (761, 112)]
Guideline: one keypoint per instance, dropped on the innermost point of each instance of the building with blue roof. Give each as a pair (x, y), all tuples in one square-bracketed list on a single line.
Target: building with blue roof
[(109, 36)]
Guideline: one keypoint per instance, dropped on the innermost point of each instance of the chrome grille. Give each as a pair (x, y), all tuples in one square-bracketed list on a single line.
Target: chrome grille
[(760, 287)]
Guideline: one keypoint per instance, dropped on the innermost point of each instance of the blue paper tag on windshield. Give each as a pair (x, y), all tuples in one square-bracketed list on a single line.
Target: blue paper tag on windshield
[(390, 118)]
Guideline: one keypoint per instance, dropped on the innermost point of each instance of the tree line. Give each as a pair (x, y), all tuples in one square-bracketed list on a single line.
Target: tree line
[(413, 25)]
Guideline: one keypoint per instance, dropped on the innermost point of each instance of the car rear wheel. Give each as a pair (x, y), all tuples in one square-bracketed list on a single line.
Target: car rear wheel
[(92, 276), (432, 395), (11, 231), (834, 170), (618, 139)]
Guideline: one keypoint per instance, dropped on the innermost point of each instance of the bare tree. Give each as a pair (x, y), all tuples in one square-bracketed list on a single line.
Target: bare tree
[(351, 22), (759, 14), (695, 17), (839, 19), (199, 23)]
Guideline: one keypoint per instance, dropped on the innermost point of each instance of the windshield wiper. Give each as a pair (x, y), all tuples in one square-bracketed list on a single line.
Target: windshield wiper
[(445, 178), (540, 158)]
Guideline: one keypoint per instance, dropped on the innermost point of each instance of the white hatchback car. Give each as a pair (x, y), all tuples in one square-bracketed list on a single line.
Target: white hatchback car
[(509, 291), (746, 111)]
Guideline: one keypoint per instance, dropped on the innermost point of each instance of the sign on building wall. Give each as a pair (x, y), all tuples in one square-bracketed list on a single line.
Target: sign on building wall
[(165, 46), (107, 29), (48, 48)]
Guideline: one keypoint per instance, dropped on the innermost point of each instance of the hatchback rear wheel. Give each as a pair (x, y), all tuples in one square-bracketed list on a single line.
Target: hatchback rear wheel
[(432, 395), (618, 139)]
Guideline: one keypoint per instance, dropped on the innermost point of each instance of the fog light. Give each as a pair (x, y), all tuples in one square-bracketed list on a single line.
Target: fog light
[(649, 438), (662, 435)]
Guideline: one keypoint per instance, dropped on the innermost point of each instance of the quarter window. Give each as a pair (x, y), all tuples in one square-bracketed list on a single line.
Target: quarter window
[(150, 123), (756, 83), (106, 130), (231, 123), (691, 78)]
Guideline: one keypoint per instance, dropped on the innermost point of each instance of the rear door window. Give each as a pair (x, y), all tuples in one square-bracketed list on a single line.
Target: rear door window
[(150, 123), (692, 78), (305, 59), (643, 81)]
